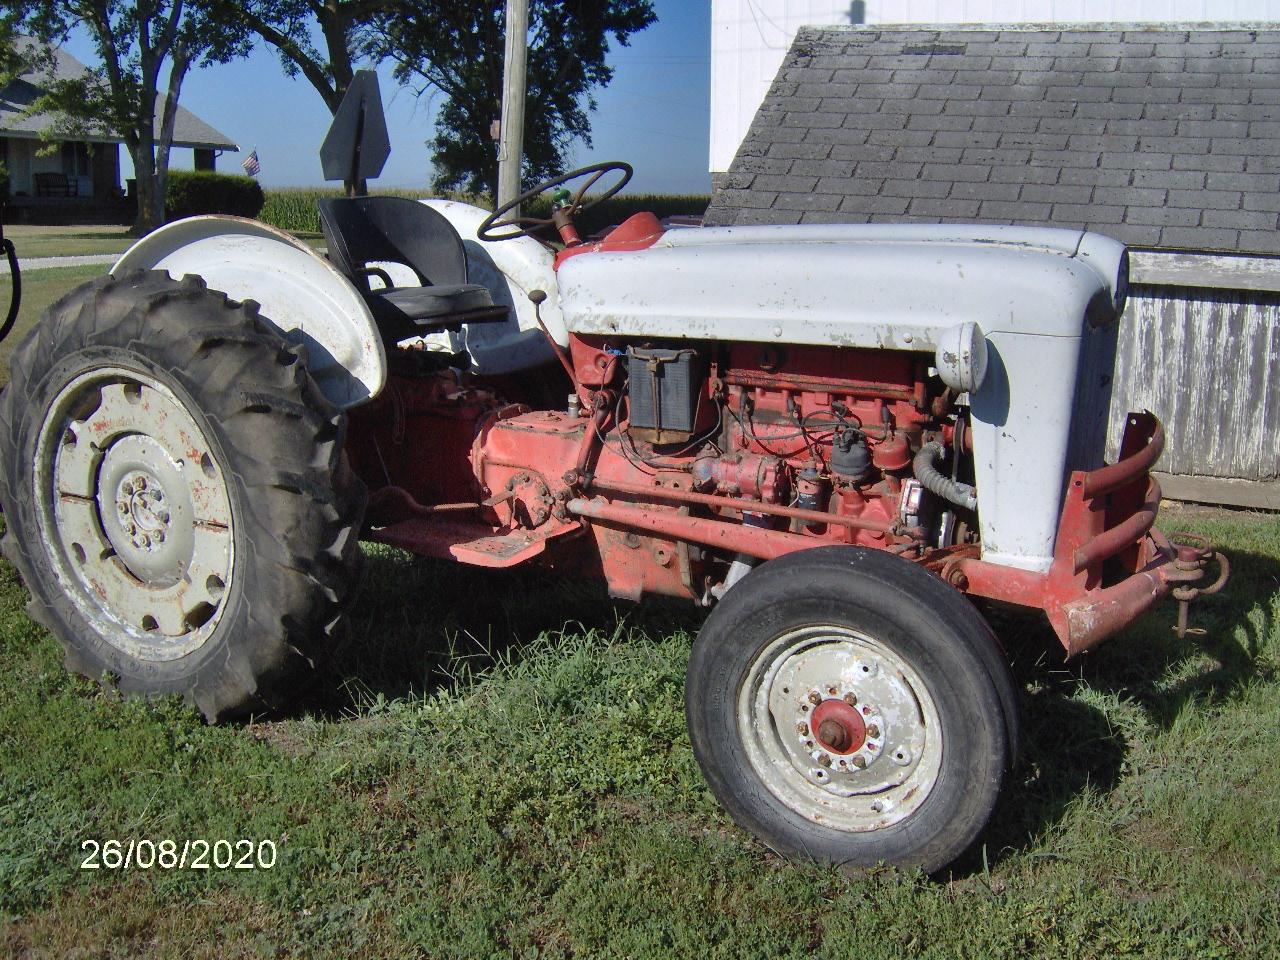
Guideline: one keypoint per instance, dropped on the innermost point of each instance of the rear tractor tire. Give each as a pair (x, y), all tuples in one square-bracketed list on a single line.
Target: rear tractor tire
[(175, 493), (848, 707)]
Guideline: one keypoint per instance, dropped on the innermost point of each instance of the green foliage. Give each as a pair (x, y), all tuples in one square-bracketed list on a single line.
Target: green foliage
[(457, 49), (496, 765), (292, 27), (295, 208), (190, 193)]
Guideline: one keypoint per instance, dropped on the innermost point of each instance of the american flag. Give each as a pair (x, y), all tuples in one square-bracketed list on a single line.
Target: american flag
[(251, 165)]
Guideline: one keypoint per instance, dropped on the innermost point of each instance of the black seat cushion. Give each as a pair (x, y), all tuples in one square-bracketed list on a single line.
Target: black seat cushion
[(419, 304)]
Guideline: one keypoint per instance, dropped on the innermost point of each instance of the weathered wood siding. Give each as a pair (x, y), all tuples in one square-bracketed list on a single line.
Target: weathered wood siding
[(1207, 363)]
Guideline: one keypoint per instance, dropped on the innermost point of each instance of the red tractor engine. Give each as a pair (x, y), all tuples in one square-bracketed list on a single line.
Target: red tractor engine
[(815, 443)]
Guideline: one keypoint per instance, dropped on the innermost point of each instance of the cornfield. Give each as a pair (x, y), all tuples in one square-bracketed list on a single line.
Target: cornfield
[(294, 208)]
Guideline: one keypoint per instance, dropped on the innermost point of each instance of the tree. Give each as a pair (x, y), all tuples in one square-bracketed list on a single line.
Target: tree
[(12, 61), (126, 93), (456, 47), (290, 25)]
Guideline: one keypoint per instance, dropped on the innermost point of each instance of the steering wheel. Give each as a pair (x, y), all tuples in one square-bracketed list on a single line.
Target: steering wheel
[(526, 226)]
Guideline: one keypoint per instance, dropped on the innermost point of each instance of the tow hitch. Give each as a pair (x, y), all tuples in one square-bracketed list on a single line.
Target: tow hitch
[(1193, 552)]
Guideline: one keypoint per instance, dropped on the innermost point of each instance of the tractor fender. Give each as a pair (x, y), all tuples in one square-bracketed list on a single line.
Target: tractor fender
[(301, 294), (510, 270)]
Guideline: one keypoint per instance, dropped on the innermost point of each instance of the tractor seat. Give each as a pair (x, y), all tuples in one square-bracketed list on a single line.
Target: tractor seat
[(421, 305), (364, 232)]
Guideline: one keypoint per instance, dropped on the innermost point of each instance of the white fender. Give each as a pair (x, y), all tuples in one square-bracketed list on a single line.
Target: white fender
[(510, 269), (301, 294)]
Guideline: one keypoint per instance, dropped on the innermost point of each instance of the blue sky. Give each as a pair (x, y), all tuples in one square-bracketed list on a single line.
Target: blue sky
[(655, 114)]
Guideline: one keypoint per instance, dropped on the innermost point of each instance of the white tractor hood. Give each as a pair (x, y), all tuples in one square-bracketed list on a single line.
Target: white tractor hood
[(888, 286)]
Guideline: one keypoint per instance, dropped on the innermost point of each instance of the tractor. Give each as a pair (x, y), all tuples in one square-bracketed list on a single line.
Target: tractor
[(841, 440)]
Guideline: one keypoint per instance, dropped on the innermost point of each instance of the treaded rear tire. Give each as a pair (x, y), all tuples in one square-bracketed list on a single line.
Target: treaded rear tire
[(295, 505)]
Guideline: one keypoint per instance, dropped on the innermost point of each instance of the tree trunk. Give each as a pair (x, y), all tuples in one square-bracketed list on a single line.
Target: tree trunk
[(177, 71), (150, 213)]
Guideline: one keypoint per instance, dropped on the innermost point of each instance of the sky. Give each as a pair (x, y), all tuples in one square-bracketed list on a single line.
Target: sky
[(655, 115)]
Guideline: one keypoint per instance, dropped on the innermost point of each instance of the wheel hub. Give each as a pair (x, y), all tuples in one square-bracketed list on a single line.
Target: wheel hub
[(840, 728), (140, 500), (146, 508), (843, 733)]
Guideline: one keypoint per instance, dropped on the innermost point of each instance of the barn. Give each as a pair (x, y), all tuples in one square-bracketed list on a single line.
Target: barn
[(1163, 136)]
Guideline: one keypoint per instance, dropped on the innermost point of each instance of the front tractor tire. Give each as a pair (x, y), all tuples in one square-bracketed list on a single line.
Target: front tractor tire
[(175, 493), (848, 707)]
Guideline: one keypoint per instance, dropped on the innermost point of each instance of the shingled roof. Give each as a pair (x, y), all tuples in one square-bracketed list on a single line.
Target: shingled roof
[(1159, 136), (16, 98)]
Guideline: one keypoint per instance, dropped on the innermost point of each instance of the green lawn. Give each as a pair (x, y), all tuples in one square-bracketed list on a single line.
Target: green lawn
[(68, 241), (496, 765)]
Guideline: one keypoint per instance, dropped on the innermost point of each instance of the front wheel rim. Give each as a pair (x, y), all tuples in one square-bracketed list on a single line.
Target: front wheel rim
[(840, 728), (135, 513)]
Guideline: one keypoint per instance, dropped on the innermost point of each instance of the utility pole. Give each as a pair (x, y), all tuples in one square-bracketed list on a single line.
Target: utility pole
[(511, 144)]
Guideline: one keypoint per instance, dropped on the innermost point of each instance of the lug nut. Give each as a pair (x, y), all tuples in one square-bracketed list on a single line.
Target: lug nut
[(851, 699), (802, 728), (825, 760), (860, 762), (815, 698), (873, 731), (159, 536)]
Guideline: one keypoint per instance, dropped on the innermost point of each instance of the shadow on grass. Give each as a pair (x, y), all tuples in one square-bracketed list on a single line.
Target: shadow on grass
[(421, 625), (1069, 746)]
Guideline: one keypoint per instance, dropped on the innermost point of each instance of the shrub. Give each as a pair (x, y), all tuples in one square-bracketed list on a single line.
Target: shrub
[(191, 193), (294, 208)]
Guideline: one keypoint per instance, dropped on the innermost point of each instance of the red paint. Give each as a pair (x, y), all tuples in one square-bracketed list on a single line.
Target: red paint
[(733, 537), (638, 232), (1082, 606), (852, 727)]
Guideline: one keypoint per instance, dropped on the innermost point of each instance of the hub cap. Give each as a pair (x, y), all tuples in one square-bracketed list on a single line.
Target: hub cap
[(840, 728), (135, 511)]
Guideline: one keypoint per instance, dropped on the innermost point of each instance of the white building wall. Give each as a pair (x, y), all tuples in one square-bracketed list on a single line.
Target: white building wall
[(749, 38)]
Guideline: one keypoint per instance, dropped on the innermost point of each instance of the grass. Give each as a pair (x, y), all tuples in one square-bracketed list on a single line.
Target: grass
[(496, 765), (68, 241)]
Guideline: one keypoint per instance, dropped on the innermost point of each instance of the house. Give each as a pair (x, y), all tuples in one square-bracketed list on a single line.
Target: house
[(1164, 136), (83, 174)]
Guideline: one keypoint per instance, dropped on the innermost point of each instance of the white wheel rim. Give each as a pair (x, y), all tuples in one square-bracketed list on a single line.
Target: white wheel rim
[(870, 772), (134, 511)]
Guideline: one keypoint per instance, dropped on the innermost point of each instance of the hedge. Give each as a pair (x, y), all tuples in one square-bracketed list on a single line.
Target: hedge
[(295, 208), (190, 193)]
